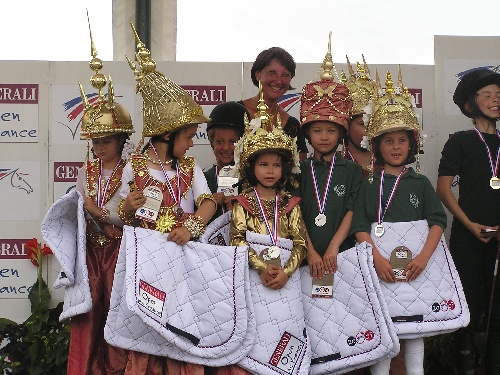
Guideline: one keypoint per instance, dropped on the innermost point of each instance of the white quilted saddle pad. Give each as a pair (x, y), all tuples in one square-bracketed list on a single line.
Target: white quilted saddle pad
[(187, 303), (281, 342), (64, 230), (353, 329), (217, 232), (432, 304)]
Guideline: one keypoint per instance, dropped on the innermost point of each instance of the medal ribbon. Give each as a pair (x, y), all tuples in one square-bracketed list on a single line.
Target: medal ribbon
[(381, 213), (273, 234), (101, 193), (351, 156), (177, 200), (493, 162), (322, 202)]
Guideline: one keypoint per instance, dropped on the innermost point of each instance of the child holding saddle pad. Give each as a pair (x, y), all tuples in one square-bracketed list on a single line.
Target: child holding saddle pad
[(162, 189), (269, 221), (401, 217)]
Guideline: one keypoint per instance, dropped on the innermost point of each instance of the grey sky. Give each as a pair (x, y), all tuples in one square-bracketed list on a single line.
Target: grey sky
[(385, 31)]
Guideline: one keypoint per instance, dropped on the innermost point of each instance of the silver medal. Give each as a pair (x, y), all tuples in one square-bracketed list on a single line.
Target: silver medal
[(320, 220), (272, 252), (495, 183), (379, 230)]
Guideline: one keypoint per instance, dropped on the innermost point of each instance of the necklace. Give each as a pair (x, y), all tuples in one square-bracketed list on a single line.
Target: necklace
[(158, 161)]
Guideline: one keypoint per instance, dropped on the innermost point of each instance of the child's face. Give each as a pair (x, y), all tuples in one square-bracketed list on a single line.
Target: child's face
[(324, 136), (106, 148), (394, 147), (184, 140), (357, 129), (223, 145), (268, 169), (488, 100)]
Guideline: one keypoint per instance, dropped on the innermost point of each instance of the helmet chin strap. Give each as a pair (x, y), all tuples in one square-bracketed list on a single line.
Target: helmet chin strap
[(490, 119), (331, 152), (395, 165), (275, 186), (356, 146)]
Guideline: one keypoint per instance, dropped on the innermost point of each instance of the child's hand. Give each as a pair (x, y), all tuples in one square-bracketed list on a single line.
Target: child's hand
[(383, 267), (416, 267), (316, 267), (179, 235), (279, 279), (330, 259), (219, 198), (228, 202), (475, 229), (266, 275), (134, 200), (91, 207)]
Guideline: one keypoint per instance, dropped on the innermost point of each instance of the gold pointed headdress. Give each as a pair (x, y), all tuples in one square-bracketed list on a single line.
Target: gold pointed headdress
[(392, 109), (166, 106), (260, 136), (325, 100), (104, 116), (361, 86)]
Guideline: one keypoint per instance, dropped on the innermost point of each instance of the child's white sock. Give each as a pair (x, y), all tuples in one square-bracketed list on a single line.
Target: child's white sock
[(414, 356), (381, 368)]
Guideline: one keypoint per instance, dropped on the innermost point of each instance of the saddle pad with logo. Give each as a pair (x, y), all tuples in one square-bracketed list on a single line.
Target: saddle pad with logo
[(434, 302), (352, 329), (192, 298), (64, 230), (217, 232), (281, 342)]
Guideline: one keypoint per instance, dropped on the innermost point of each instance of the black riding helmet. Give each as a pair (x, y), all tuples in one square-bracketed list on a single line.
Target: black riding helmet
[(230, 115), (469, 85)]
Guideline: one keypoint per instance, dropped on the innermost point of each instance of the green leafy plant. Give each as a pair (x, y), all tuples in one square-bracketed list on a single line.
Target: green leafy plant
[(38, 346)]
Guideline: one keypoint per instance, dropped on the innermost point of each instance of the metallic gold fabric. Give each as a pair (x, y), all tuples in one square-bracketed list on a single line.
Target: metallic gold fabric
[(290, 225)]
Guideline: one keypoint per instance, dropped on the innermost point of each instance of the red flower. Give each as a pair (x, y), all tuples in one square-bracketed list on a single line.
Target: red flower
[(35, 251)]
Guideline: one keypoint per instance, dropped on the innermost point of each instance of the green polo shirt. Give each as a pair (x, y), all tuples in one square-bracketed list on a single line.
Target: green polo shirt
[(344, 185), (414, 199)]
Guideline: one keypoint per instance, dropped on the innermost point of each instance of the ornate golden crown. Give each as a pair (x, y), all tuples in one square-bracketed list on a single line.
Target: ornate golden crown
[(166, 106), (392, 109), (325, 100), (104, 116), (361, 86), (260, 136)]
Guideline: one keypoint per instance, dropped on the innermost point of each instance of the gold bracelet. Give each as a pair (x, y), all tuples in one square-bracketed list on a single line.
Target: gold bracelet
[(205, 196), (127, 219), (194, 224)]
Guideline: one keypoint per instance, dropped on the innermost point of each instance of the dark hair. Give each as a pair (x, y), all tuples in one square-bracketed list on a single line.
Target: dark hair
[(379, 160), (265, 57), (119, 137), (286, 169), (169, 142)]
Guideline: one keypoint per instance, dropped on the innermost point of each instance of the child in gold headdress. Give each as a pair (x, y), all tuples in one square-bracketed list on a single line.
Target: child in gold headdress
[(399, 195), (361, 89), (107, 125), (268, 220), (162, 189), (328, 183)]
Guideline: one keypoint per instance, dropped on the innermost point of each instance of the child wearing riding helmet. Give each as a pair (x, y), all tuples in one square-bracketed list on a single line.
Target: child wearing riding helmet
[(328, 183), (397, 194), (226, 126), (473, 155)]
